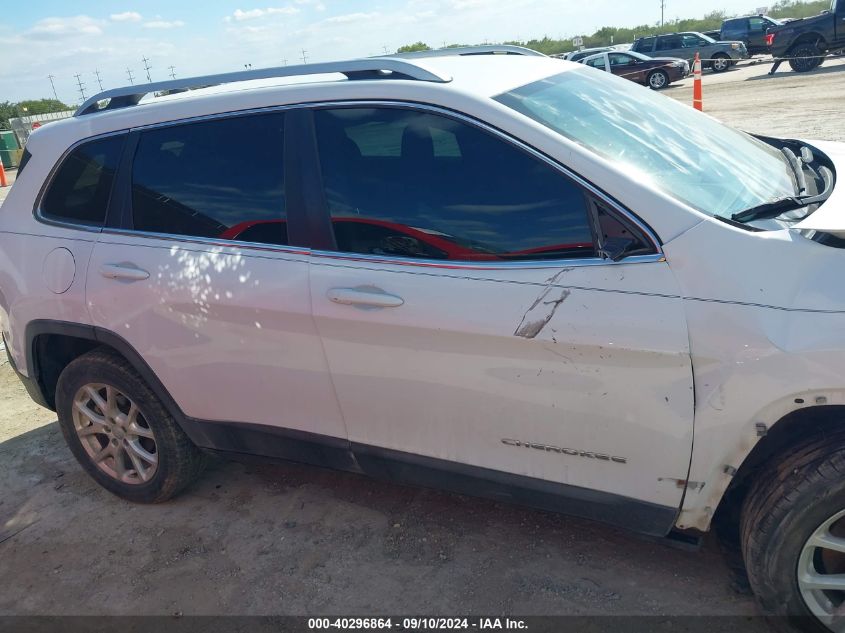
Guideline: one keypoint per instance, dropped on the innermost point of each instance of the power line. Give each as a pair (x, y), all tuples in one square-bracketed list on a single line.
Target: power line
[(172, 72), (50, 77), (81, 86), (131, 78), (147, 68), (99, 81)]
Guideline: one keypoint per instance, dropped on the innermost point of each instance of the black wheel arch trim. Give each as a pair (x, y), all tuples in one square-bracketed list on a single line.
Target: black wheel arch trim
[(277, 443)]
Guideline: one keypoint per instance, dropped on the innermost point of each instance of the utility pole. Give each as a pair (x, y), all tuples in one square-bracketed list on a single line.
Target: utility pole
[(99, 81), (131, 78), (147, 68), (304, 56), (50, 77), (662, 12), (285, 61), (81, 86), (384, 48), (172, 72)]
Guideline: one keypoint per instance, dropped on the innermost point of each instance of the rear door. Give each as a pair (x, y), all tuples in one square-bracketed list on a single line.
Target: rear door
[(202, 273), (522, 355)]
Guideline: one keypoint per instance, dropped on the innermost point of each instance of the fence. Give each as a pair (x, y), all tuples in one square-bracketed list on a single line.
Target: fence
[(22, 126)]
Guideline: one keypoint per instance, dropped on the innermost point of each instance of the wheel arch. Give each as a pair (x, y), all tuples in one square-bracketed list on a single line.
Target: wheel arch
[(812, 37), (52, 345), (797, 425)]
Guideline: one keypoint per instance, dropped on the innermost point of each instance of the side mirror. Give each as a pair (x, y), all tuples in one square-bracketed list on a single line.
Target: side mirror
[(615, 248)]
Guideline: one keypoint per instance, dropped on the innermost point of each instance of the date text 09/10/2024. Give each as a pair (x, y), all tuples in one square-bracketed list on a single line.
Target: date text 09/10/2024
[(417, 624)]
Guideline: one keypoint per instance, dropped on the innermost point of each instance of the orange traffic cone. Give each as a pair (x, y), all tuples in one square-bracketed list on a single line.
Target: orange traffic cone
[(3, 182), (697, 92)]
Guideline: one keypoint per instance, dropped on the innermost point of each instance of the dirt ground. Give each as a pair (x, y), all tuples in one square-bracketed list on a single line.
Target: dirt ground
[(288, 539)]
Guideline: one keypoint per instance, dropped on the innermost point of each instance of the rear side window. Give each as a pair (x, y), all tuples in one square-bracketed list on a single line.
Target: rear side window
[(81, 188), (668, 43), (427, 186), (221, 179), (645, 45)]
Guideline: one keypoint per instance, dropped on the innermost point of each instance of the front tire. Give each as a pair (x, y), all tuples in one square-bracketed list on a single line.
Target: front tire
[(658, 80), (805, 57), (721, 63), (120, 433), (793, 535)]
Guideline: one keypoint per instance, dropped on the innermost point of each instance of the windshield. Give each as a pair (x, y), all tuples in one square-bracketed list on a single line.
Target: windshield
[(691, 157), (706, 38)]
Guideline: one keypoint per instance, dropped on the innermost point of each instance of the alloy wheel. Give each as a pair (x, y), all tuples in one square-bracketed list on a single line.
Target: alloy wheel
[(115, 434), (821, 572), (657, 80), (721, 64)]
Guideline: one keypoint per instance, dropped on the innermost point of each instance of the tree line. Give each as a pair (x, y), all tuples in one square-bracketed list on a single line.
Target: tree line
[(609, 35), (9, 110)]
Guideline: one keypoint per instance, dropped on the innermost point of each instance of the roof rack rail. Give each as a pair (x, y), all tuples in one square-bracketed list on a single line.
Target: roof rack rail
[(491, 49), (372, 68)]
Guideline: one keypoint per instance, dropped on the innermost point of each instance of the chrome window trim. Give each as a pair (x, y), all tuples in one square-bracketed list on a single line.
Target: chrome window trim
[(210, 242), (657, 256)]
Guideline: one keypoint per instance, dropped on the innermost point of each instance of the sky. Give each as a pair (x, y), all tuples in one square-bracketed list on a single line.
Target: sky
[(64, 38)]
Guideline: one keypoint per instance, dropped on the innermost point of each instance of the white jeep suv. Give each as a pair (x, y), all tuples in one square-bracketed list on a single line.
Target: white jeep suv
[(504, 275)]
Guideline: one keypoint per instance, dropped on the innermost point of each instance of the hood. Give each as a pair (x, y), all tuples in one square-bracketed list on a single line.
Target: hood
[(830, 216)]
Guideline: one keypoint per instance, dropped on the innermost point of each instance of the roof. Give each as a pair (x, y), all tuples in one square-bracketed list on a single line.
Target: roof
[(474, 69)]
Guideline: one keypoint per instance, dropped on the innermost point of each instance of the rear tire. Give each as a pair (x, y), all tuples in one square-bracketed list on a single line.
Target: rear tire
[(805, 57), (658, 80), (120, 433), (783, 519)]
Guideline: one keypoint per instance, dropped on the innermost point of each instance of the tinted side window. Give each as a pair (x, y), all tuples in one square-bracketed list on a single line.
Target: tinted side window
[(758, 24), (692, 41), (82, 186), (669, 43), (219, 179), (483, 200), (645, 45)]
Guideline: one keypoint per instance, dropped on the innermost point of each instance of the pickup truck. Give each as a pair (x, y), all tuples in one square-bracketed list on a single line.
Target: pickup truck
[(750, 29), (805, 42)]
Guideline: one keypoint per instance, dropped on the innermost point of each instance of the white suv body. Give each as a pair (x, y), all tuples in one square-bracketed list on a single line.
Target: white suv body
[(452, 353)]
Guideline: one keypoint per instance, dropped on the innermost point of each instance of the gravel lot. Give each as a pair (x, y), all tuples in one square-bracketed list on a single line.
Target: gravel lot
[(288, 539)]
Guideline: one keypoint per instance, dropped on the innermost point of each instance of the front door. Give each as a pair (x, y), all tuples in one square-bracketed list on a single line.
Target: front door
[(470, 321), (200, 278), (624, 65)]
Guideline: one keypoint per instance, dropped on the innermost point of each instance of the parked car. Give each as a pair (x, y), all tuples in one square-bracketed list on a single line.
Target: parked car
[(685, 362), (750, 29), (577, 56), (654, 72), (806, 42), (721, 55)]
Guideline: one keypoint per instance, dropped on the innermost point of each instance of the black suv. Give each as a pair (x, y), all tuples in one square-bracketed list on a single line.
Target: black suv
[(750, 29), (806, 42)]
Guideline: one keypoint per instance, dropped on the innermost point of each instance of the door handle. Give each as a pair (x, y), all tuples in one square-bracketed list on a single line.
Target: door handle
[(365, 297), (129, 272)]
